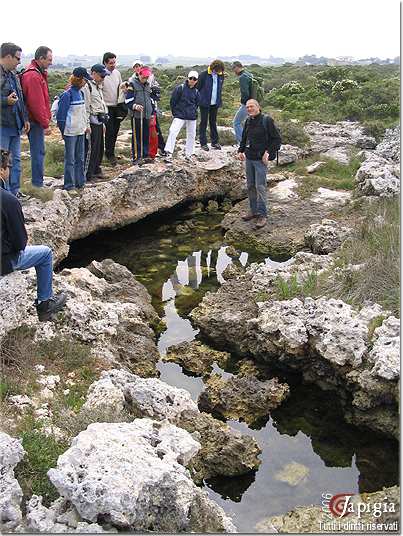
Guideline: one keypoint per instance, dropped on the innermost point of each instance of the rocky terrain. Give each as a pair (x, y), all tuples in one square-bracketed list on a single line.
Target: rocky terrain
[(135, 449)]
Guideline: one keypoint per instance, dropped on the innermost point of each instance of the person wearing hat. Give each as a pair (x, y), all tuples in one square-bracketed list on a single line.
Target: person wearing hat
[(245, 86), (73, 121), (184, 103), (93, 92), (138, 101)]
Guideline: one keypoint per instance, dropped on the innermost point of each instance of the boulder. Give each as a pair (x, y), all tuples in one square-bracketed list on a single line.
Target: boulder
[(385, 353), (242, 398), (327, 236), (11, 453), (196, 357), (379, 174), (315, 167), (134, 475)]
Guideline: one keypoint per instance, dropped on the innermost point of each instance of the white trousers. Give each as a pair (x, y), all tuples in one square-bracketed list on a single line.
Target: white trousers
[(174, 130)]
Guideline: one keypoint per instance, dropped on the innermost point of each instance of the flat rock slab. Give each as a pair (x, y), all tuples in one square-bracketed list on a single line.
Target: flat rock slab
[(196, 357), (292, 474)]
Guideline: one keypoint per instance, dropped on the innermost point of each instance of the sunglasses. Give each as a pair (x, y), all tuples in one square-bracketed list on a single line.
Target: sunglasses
[(192, 78)]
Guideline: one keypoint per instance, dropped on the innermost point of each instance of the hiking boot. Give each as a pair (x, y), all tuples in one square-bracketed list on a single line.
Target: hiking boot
[(20, 195), (46, 309), (216, 146), (205, 147), (248, 217), (260, 222)]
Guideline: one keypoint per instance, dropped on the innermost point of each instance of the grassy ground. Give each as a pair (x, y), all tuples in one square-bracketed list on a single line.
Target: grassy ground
[(374, 254)]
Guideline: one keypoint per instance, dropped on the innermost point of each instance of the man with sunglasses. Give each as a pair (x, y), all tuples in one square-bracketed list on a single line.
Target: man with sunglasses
[(13, 115), (184, 103)]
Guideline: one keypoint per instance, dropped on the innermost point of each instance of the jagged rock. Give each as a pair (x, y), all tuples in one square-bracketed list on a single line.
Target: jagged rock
[(336, 140), (289, 218), (327, 236), (136, 193), (315, 166), (326, 339), (102, 311), (141, 397), (242, 398), (385, 354), (287, 155), (292, 474), (316, 519), (224, 451), (133, 474), (379, 174), (196, 357), (11, 453)]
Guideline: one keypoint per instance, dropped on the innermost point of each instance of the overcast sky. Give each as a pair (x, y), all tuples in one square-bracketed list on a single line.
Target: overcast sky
[(359, 28)]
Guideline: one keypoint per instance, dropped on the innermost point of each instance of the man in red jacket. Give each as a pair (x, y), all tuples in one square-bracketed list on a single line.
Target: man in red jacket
[(34, 81)]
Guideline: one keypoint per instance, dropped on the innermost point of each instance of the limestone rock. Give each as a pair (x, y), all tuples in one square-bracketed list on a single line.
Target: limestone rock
[(292, 474), (134, 474), (224, 451), (315, 166), (196, 357), (11, 453), (327, 236), (385, 354), (242, 398), (379, 174)]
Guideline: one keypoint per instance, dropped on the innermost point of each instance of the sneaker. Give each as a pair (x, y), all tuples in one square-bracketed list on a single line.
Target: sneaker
[(216, 146), (248, 216), (205, 147), (168, 158), (20, 195), (48, 308), (260, 222), (163, 152)]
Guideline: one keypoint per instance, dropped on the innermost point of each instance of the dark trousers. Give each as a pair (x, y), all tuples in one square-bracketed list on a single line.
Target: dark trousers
[(161, 141), (97, 150), (112, 131), (208, 114), (140, 145)]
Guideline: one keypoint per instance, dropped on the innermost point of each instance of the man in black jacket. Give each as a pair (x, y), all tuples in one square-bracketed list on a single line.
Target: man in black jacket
[(16, 255), (258, 146)]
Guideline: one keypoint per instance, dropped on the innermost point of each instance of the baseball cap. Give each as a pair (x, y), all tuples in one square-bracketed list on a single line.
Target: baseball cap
[(193, 74), (138, 62), (80, 72), (100, 69), (145, 71)]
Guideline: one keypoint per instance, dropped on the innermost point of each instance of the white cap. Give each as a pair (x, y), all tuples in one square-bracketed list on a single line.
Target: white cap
[(193, 74)]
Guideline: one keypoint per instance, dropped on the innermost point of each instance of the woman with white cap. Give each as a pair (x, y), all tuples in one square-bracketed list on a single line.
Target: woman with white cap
[(184, 104)]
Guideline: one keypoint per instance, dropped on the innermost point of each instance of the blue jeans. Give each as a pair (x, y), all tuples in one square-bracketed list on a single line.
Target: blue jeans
[(257, 186), (74, 161), (37, 148), (40, 258), (10, 141), (239, 120)]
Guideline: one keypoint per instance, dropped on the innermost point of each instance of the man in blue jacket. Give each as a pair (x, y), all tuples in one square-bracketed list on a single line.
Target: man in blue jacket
[(16, 255), (210, 88), (13, 115), (184, 104)]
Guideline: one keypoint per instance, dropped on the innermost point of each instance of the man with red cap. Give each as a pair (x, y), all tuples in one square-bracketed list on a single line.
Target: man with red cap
[(138, 100)]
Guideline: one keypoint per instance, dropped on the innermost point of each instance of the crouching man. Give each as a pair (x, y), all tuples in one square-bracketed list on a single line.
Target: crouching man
[(16, 255), (259, 144)]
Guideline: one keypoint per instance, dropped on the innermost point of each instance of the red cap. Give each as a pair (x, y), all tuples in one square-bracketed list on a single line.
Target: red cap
[(145, 71)]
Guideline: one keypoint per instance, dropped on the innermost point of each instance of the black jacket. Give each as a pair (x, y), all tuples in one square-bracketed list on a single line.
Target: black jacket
[(15, 115), (13, 233), (184, 102), (258, 137)]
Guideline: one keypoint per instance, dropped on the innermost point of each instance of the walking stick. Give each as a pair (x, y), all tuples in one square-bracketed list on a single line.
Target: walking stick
[(134, 139), (141, 134)]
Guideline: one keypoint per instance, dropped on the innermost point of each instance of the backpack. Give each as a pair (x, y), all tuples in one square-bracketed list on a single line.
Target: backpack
[(256, 90)]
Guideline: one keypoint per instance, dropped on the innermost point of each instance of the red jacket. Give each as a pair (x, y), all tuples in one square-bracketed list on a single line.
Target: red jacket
[(36, 94)]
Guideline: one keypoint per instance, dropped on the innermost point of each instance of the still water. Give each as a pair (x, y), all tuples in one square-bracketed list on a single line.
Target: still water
[(179, 256)]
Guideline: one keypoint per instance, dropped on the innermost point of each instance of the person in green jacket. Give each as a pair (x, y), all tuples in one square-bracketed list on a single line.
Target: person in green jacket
[(245, 85)]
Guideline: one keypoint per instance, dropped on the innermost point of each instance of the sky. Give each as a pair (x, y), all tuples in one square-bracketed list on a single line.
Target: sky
[(209, 28)]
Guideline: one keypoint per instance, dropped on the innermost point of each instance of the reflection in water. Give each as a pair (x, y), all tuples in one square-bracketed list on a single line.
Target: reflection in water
[(178, 269)]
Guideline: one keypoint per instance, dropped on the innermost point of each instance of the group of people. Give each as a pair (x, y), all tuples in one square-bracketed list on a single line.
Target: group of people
[(89, 113)]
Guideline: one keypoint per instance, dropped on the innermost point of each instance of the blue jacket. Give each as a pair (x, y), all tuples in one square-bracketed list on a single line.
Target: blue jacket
[(205, 87), (15, 115), (184, 102), (72, 116)]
